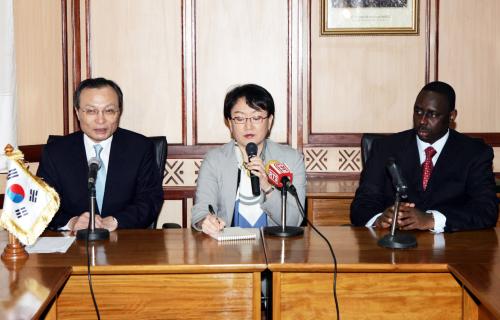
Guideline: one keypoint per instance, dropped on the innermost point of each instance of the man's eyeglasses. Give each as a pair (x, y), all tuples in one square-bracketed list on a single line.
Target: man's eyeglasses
[(108, 112), (253, 119)]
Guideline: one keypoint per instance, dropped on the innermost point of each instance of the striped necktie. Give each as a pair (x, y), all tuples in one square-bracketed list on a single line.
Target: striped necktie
[(101, 178)]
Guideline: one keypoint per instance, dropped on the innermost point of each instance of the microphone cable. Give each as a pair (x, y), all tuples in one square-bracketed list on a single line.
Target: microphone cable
[(89, 275), (301, 210)]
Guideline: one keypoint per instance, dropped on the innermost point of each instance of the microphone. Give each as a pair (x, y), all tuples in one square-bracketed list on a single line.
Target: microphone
[(398, 181), (395, 240), (279, 175), (251, 150), (94, 166)]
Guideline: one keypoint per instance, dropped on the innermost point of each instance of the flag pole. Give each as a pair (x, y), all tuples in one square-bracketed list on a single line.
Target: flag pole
[(14, 250)]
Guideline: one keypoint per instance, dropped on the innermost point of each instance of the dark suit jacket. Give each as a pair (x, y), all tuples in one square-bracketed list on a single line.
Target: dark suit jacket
[(133, 193), (461, 187)]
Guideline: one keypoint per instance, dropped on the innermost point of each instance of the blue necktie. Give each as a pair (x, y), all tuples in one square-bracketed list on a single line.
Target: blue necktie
[(101, 178)]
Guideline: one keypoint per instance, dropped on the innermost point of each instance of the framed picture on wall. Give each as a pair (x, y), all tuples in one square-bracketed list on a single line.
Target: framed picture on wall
[(365, 17)]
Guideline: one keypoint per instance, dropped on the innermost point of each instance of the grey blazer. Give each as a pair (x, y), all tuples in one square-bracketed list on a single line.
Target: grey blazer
[(218, 178)]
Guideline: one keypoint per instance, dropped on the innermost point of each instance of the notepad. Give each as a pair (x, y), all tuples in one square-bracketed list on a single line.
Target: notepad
[(236, 233)]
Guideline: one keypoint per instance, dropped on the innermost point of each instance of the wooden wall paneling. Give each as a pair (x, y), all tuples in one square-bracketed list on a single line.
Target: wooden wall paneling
[(39, 69), (140, 47), (353, 77), (239, 42), (469, 59)]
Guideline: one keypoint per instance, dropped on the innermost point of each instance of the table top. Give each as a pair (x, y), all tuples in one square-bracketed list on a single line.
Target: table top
[(156, 251), (483, 280), (26, 292), (473, 255), (356, 249)]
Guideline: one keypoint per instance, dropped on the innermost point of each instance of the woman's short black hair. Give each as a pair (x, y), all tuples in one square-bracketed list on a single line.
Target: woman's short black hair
[(256, 97)]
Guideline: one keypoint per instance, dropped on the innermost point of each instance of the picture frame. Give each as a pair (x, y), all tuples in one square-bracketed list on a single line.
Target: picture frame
[(369, 17)]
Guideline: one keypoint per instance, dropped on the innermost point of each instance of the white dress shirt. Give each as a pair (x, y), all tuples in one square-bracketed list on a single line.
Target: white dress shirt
[(90, 152)]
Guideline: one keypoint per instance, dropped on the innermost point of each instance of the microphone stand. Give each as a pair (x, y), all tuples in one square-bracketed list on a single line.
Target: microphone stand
[(92, 233), (283, 230), (399, 240)]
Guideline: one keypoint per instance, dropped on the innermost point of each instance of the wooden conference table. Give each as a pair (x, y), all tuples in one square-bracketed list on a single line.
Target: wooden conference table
[(379, 283), (179, 273), (29, 292), (156, 274)]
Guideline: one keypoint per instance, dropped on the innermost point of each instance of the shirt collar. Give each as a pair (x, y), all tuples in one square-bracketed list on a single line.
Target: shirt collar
[(89, 143), (437, 145)]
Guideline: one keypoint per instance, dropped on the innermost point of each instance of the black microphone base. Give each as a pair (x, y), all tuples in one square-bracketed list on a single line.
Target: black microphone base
[(277, 231), (398, 241), (96, 234)]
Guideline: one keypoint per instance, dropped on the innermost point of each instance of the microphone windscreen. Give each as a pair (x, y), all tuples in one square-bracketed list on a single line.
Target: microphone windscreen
[(397, 178), (95, 161), (251, 149), (276, 171)]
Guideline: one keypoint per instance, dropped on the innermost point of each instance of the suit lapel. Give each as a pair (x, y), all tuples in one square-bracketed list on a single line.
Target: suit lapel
[(410, 163), (80, 162), (445, 159), (116, 160), (229, 178)]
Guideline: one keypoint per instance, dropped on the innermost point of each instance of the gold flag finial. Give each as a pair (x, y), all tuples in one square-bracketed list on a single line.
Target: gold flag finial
[(8, 149)]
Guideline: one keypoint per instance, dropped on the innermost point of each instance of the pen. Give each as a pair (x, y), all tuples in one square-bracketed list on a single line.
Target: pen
[(211, 210)]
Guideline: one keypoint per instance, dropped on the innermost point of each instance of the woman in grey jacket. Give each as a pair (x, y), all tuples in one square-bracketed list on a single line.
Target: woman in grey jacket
[(224, 178)]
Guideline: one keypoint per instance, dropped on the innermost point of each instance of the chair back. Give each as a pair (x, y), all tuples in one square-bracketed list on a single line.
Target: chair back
[(161, 151), (366, 144), (53, 138)]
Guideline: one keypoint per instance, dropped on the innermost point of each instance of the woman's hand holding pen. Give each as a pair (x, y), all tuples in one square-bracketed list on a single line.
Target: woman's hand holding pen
[(212, 224)]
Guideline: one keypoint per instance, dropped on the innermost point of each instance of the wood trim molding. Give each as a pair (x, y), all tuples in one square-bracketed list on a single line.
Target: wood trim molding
[(33, 153), (77, 64), (183, 73), (88, 38), (309, 76), (289, 71), (300, 80), (436, 48), (177, 151), (64, 56), (427, 40), (194, 88), (334, 139), (354, 139)]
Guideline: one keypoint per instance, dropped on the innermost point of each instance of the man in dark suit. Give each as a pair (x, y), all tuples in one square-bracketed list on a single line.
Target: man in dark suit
[(128, 187), (451, 185)]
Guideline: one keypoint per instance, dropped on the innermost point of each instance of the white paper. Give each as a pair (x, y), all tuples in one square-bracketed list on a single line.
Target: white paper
[(51, 245)]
